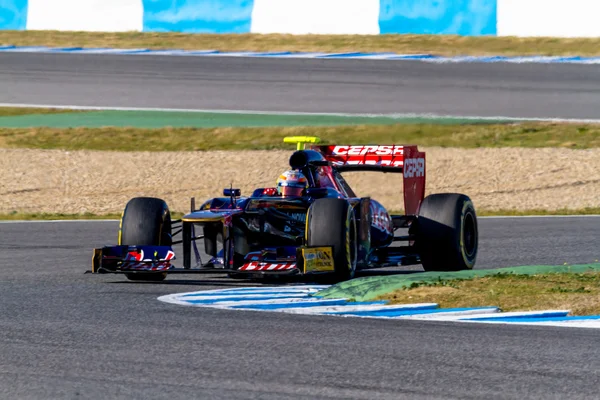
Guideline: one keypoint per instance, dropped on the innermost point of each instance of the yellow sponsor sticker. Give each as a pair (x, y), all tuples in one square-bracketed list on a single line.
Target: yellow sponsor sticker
[(318, 259)]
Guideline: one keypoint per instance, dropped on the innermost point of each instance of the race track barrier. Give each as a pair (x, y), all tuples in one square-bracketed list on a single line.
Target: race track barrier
[(559, 18)]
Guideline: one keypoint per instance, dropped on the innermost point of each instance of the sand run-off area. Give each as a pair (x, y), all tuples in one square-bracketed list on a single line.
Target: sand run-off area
[(56, 181)]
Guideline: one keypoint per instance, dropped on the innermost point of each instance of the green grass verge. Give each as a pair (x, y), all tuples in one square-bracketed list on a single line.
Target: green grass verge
[(408, 44), (18, 111), (574, 136), (579, 293)]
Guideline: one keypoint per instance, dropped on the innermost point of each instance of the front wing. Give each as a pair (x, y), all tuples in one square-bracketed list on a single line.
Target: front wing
[(158, 259)]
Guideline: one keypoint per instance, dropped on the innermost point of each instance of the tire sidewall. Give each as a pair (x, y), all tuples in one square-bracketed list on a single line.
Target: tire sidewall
[(331, 223), (154, 214), (467, 212), (447, 232), (351, 244)]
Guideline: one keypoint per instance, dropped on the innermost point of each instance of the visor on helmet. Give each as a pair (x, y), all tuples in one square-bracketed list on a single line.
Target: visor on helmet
[(290, 191)]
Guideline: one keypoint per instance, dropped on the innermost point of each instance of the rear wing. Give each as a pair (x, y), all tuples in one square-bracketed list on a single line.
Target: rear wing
[(407, 160)]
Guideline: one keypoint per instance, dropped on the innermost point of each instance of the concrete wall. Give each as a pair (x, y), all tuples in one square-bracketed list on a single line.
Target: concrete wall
[(562, 18), (85, 15), (316, 16), (566, 18)]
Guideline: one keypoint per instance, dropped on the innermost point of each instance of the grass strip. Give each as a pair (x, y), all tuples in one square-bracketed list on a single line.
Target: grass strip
[(19, 111), (369, 288), (206, 119), (574, 136), (447, 45), (579, 293)]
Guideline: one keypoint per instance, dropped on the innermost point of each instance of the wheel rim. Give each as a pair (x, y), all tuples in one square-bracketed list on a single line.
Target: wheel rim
[(469, 235)]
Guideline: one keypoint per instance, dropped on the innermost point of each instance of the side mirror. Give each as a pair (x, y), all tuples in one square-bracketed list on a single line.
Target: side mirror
[(232, 192)]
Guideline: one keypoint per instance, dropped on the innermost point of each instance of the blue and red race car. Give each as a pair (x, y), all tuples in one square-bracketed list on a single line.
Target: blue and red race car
[(324, 229)]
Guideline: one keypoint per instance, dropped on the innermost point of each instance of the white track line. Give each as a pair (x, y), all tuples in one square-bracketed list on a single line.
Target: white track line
[(475, 317), (357, 307), (431, 316)]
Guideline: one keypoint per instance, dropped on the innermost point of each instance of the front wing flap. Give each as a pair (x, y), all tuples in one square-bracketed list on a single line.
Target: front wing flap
[(132, 258), (309, 260)]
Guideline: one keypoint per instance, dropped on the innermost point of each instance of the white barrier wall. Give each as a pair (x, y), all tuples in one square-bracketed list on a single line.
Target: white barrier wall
[(558, 18), (85, 15), (316, 16), (561, 18)]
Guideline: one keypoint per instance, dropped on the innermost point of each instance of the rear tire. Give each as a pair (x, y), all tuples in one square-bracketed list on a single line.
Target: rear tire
[(331, 222), (447, 233), (146, 221)]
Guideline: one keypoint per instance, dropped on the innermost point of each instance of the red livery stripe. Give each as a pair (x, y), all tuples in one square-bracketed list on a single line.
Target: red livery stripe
[(262, 266)]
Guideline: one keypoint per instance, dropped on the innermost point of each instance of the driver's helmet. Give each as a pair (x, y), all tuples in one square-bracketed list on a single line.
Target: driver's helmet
[(291, 183)]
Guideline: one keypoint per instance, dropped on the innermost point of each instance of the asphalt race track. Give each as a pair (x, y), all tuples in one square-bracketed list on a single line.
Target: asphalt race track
[(66, 334), (349, 86)]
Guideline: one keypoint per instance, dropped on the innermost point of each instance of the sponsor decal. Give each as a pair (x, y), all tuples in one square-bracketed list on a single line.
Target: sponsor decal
[(380, 218), (136, 260), (414, 167), (301, 217), (277, 204), (368, 150), (264, 266), (318, 259), (389, 156)]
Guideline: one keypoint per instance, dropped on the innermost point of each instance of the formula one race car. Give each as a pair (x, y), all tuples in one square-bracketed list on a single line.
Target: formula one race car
[(311, 223)]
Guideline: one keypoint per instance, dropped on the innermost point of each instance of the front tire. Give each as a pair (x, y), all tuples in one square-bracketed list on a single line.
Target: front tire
[(146, 221), (447, 232), (331, 222)]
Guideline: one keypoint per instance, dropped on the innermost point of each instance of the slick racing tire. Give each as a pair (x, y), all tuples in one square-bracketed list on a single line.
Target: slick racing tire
[(146, 221), (331, 222), (447, 235)]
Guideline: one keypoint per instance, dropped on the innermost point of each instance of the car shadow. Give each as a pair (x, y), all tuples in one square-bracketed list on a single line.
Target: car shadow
[(376, 272), (265, 280)]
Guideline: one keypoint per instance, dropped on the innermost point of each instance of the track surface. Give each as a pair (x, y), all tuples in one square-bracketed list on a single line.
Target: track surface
[(350, 86), (67, 335)]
